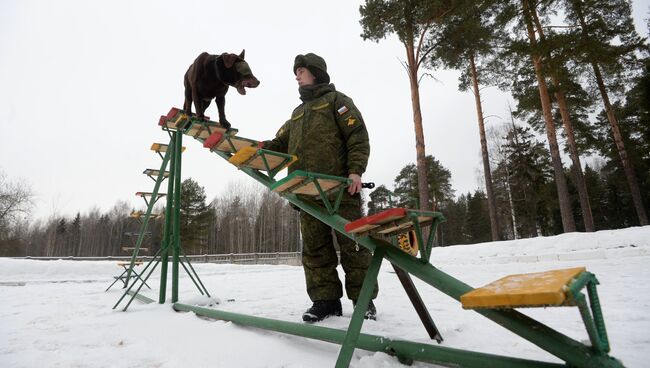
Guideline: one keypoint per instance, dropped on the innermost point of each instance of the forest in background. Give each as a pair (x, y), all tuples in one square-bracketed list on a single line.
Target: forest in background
[(576, 69)]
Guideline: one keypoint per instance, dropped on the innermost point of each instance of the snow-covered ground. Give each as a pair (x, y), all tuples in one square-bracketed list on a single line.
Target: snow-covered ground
[(56, 313)]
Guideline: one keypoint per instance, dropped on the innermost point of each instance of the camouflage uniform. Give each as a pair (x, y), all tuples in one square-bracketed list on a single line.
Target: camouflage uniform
[(327, 134)]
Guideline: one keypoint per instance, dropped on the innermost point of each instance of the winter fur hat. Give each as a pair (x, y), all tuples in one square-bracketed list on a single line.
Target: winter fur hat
[(315, 64)]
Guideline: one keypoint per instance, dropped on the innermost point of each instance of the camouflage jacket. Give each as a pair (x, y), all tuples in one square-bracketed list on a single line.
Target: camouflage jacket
[(326, 132)]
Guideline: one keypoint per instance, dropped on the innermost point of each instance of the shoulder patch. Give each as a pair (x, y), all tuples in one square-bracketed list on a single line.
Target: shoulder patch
[(342, 110), (351, 121)]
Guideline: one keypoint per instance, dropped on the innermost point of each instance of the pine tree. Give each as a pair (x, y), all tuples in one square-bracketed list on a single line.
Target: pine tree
[(195, 217), (411, 21), (608, 43), (466, 38), (380, 200), (477, 225), (438, 177), (528, 166)]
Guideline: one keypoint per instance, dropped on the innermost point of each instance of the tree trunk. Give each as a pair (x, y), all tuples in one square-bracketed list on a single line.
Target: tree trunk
[(568, 223), (628, 168), (576, 169), (423, 186), (494, 226)]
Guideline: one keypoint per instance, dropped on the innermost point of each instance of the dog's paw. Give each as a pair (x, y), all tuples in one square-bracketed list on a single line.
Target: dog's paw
[(225, 124)]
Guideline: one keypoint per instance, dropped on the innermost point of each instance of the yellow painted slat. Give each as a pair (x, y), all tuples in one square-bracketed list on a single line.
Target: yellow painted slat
[(243, 155), (523, 290)]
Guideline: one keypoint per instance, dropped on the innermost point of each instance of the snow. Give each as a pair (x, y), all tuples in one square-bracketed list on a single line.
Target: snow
[(56, 313)]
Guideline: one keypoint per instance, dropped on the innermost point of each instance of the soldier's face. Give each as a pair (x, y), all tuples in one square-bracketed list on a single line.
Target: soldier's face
[(304, 77)]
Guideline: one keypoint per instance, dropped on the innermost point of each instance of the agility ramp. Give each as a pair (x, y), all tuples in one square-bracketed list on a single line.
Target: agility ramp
[(319, 195)]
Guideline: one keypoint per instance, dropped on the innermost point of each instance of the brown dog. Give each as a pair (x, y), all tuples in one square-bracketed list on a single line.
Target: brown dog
[(209, 77)]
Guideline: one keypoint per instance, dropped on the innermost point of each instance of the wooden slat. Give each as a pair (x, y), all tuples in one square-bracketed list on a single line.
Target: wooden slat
[(238, 142), (154, 172), (203, 130), (149, 194), (311, 190), (161, 147), (523, 290), (130, 249), (295, 180), (373, 221), (123, 263)]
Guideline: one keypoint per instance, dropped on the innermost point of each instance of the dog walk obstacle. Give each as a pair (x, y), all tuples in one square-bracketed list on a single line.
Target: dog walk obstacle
[(176, 125), (314, 193)]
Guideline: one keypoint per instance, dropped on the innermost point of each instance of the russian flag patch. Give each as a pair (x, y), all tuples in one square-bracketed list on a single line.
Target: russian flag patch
[(342, 110)]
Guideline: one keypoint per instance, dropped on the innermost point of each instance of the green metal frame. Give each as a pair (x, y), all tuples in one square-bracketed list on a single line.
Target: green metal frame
[(310, 178), (286, 159), (171, 231), (572, 352)]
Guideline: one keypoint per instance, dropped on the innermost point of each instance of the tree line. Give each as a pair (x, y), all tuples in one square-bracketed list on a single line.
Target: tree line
[(574, 67), (242, 220)]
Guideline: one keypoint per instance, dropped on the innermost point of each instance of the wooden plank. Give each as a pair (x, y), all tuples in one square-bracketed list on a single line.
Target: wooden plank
[(123, 263), (538, 289), (238, 142), (154, 172), (149, 194), (373, 221), (311, 190), (130, 249), (286, 184), (203, 130), (160, 147)]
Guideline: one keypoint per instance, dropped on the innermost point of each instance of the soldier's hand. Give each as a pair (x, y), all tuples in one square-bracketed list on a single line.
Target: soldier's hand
[(355, 186)]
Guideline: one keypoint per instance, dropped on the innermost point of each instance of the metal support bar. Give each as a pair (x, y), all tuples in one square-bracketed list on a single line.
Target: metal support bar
[(365, 296), (177, 214), (418, 304), (417, 351)]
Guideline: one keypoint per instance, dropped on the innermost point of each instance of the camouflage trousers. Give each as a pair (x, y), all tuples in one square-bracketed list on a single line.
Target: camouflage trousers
[(319, 258)]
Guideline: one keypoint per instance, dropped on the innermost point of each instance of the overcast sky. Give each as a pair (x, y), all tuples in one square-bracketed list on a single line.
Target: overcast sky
[(82, 84)]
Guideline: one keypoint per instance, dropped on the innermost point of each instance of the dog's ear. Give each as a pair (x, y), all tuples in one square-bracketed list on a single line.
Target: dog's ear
[(242, 54), (229, 60)]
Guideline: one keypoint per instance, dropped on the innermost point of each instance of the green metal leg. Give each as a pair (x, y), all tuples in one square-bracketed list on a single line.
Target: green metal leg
[(200, 285), (354, 329), (164, 258), (177, 214)]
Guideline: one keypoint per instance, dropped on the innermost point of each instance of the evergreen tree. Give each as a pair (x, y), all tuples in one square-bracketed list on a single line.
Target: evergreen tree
[(195, 217), (608, 43), (527, 41), (380, 200), (411, 21), (528, 165), (438, 177), (477, 225), (465, 38), (453, 230), (75, 236)]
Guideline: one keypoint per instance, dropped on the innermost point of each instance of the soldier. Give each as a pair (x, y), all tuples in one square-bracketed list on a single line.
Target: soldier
[(327, 134)]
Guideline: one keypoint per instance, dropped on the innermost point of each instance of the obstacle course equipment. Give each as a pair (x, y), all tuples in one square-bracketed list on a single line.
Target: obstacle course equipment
[(372, 233), (175, 123)]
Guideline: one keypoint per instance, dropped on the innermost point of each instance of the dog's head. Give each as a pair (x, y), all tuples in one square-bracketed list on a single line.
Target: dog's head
[(237, 73)]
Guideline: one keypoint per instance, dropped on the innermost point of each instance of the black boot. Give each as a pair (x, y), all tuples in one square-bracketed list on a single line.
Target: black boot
[(371, 313), (322, 309)]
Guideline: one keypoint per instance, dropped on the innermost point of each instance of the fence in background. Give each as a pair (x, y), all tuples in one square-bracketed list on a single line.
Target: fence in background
[(278, 258)]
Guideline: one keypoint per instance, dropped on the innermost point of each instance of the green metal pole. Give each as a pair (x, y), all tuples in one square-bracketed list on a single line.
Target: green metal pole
[(177, 213), (354, 329), (402, 349), (164, 257)]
